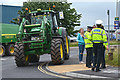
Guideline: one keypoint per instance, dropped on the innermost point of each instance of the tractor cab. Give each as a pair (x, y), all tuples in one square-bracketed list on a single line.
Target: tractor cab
[(46, 16)]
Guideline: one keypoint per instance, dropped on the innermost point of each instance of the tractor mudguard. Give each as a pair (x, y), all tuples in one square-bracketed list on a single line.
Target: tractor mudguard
[(60, 30)]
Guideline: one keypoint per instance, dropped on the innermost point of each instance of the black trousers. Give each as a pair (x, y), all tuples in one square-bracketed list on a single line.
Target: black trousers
[(103, 57), (89, 57), (97, 50)]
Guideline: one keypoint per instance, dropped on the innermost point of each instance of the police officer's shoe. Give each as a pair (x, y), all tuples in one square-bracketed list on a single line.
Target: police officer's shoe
[(97, 70), (102, 67), (93, 69), (89, 66)]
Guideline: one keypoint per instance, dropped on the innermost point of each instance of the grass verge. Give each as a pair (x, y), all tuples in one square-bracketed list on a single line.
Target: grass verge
[(116, 58)]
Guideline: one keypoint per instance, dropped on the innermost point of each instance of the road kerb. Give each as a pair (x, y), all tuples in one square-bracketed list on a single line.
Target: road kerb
[(72, 74)]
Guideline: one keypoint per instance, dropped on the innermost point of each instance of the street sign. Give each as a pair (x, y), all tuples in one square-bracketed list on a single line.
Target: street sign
[(116, 18), (61, 16), (116, 24)]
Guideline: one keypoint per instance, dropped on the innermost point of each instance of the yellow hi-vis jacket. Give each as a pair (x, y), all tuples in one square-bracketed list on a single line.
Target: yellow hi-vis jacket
[(98, 35), (88, 43)]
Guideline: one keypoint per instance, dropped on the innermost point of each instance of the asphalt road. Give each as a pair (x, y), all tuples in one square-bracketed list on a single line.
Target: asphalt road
[(9, 69)]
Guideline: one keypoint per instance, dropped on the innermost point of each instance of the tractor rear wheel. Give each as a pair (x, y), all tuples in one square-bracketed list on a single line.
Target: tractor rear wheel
[(2, 50), (10, 49), (20, 59), (57, 51), (34, 58), (66, 44)]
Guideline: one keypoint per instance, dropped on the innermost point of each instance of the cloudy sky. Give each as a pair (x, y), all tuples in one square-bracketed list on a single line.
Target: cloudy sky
[(20, 2)]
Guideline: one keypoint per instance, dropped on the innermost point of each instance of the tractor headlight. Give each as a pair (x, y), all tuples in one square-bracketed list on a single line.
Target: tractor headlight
[(35, 38)]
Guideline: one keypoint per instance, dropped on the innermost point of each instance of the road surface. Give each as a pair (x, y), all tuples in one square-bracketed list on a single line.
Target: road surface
[(39, 71)]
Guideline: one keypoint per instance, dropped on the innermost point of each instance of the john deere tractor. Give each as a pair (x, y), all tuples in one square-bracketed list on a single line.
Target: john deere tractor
[(40, 34)]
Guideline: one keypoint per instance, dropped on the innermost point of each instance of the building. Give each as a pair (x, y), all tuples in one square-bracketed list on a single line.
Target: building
[(7, 13)]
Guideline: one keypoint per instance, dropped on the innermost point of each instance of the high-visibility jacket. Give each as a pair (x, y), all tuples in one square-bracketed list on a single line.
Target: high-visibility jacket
[(98, 35), (106, 44), (88, 43)]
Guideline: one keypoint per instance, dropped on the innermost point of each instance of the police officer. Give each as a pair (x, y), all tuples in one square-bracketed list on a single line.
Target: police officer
[(105, 46), (89, 47), (98, 37)]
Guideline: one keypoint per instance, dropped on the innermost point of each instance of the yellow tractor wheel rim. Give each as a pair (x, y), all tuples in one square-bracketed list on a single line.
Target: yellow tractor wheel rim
[(1, 51), (12, 50), (67, 46), (61, 51), (26, 58)]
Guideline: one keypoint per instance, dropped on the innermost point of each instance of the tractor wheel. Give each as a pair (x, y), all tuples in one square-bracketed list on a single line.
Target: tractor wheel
[(34, 58), (66, 44), (10, 49), (20, 59), (2, 50), (57, 51), (67, 49)]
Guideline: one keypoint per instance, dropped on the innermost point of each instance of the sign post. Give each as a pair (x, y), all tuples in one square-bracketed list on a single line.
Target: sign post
[(108, 13)]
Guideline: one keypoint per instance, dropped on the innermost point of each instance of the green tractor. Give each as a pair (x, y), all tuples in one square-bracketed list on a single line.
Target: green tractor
[(39, 34)]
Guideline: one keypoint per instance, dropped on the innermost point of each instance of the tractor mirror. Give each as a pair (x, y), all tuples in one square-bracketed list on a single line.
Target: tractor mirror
[(61, 16)]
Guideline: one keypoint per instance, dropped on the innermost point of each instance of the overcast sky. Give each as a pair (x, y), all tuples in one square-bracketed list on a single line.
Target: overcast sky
[(20, 2)]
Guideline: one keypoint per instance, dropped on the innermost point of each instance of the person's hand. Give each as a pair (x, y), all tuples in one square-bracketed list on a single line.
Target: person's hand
[(107, 48)]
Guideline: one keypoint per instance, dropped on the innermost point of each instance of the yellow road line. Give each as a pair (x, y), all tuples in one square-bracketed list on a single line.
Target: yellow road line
[(8, 34), (42, 70)]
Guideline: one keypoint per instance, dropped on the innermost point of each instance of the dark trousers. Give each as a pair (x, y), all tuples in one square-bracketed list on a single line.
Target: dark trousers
[(97, 50), (103, 57), (89, 57)]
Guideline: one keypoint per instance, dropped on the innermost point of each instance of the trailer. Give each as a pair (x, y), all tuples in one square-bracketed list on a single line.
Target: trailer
[(8, 38)]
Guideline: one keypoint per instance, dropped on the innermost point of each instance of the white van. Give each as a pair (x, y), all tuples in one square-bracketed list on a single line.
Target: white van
[(118, 34)]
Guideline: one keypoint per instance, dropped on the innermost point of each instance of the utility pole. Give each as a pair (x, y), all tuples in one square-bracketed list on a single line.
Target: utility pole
[(108, 13)]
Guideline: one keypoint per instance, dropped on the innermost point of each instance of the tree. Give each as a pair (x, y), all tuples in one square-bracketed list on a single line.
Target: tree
[(71, 17)]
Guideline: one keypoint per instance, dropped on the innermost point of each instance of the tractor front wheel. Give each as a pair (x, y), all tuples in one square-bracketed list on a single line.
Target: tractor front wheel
[(10, 49), (20, 59), (2, 50), (57, 51)]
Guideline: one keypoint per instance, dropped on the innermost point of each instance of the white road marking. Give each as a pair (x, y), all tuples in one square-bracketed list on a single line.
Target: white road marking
[(111, 71), (2, 59), (6, 58)]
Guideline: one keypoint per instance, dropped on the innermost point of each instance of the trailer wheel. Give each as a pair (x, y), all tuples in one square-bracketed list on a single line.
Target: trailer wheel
[(57, 51), (20, 59), (66, 44), (2, 50), (34, 58), (10, 49)]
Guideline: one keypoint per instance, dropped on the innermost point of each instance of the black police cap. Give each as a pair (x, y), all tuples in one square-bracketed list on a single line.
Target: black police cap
[(89, 27)]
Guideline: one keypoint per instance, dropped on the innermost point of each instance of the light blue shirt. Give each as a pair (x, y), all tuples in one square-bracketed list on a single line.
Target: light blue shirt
[(80, 39)]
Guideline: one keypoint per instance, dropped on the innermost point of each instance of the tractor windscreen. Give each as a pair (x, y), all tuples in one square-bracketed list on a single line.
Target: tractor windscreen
[(37, 18), (55, 21)]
